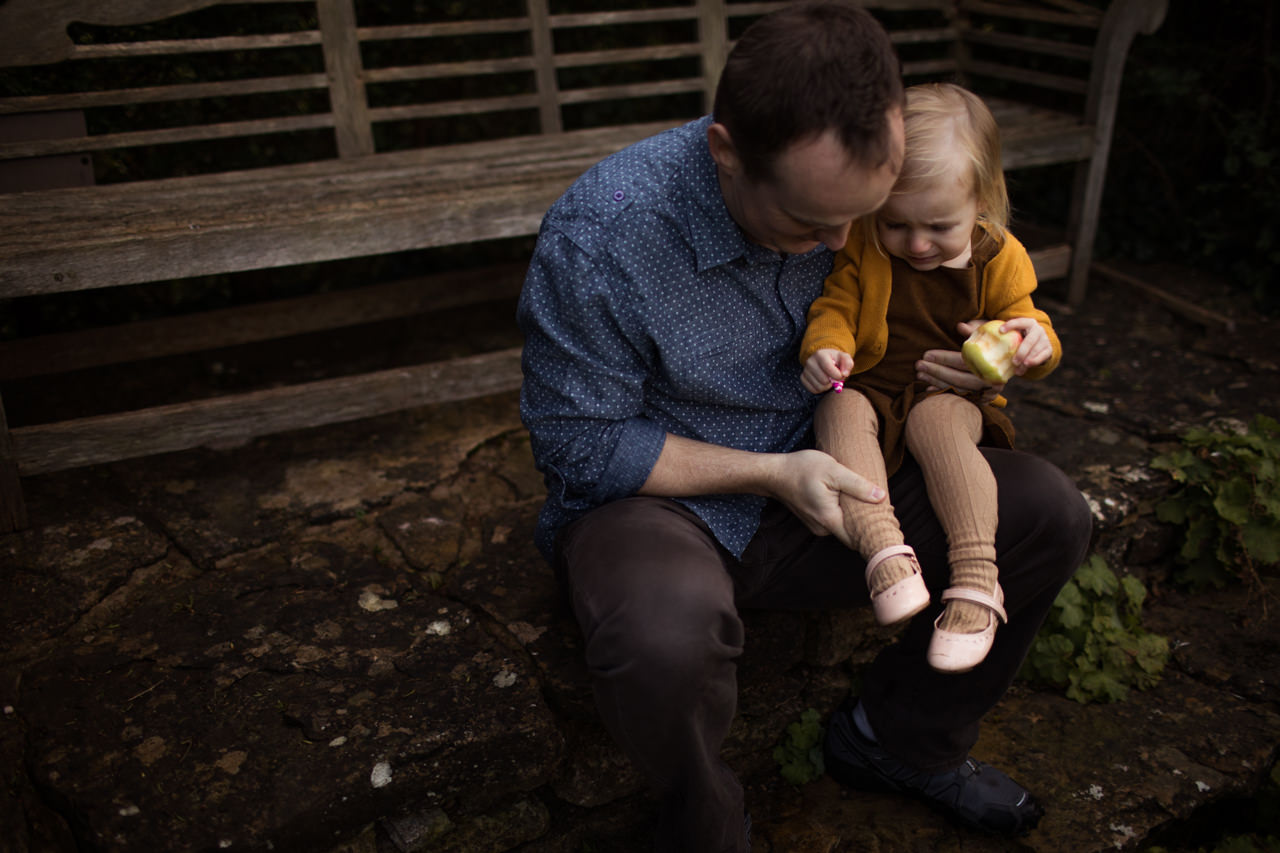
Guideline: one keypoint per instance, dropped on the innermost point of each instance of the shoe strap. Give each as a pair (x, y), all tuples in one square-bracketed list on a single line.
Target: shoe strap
[(885, 553), (996, 605)]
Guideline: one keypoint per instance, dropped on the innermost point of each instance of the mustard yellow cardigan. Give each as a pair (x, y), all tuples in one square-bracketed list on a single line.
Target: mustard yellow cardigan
[(850, 315)]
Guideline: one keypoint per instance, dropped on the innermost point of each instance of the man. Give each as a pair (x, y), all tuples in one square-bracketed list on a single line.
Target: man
[(662, 313)]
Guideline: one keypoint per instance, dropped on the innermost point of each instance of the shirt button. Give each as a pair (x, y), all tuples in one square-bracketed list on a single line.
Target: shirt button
[(619, 195)]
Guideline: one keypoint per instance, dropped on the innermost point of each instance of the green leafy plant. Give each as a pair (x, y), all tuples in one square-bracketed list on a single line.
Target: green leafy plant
[(799, 754), (1227, 502), (1093, 643)]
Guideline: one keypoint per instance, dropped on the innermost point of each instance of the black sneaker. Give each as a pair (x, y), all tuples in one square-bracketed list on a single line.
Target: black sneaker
[(976, 794)]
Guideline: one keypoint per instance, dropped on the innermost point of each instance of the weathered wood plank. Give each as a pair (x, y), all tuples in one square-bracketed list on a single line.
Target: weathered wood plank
[(439, 109), (631, 90), (444, 29), (930, 67), (36, 34), (1186, 308), (168, 136), (626, 16), (713, 37), (68, 240), (241, 417), (542, 43), (159, 94), (260, 321), (651, 53), (746, 10), (1027, 12), (1028, 44), (1027, 76), (933, 35), (346, 82), (13, 509), (179, 47), (909, 5), (437, 70), (1051, 261)]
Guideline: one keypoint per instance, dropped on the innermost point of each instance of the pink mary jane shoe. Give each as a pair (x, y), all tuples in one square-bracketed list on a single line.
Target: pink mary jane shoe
[(954, 652), (905, 598)]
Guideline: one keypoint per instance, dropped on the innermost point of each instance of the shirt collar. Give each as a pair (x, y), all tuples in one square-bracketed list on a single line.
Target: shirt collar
[(716, 238)]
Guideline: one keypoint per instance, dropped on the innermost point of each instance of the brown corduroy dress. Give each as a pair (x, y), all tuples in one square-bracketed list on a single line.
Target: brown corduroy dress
[(924, 310)]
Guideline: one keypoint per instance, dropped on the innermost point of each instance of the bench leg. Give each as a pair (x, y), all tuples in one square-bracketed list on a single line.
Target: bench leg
[(1082, 227), (13, 511)]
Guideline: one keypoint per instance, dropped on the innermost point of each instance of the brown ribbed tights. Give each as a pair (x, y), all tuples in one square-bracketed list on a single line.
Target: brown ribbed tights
[(942, 433)]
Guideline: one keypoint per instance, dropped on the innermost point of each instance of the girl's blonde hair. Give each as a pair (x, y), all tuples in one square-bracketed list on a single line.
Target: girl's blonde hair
[(945, 123)]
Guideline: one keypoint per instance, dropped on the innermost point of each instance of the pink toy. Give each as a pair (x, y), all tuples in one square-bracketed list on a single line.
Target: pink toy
[(837, 385)]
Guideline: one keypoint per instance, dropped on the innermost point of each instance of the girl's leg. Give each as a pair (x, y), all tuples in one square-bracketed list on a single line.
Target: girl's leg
[(942, 434), (872, 528), (930, 719)]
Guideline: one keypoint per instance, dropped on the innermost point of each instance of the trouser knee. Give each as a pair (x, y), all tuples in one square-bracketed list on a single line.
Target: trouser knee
[(652, 593)]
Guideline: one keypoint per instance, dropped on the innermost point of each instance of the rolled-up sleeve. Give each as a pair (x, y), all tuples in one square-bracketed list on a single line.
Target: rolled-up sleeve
[(584, 376)]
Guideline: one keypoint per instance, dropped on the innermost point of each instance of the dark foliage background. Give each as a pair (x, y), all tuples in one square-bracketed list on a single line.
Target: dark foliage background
[(1195, 169)]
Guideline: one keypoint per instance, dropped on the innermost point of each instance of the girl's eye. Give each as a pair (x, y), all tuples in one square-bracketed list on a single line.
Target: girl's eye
[(892, 226)]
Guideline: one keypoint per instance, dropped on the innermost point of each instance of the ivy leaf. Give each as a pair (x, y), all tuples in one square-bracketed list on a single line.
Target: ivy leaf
[(1092, 643), (1262, 544), (1234, 501)]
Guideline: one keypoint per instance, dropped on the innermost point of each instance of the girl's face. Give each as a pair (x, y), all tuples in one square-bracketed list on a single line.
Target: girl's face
[(932, 227)]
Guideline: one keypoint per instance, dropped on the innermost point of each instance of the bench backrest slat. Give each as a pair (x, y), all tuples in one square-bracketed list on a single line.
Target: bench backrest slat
[(542, 45), (160, 94), (407, 80), (167, 136), (1051, 12), (346, 91), (375, 85), (179, 47)]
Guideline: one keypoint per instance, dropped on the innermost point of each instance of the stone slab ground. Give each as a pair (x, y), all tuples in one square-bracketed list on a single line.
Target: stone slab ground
[(343, 640)]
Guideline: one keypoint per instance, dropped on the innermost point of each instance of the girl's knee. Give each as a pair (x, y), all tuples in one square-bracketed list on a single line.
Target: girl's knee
[(860, 414), (941, 413)]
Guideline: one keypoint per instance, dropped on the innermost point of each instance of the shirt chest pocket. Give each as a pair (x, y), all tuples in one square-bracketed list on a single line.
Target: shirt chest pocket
[(711, 365)]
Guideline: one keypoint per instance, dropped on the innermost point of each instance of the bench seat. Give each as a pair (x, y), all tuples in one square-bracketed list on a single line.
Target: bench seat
[(102, 236)]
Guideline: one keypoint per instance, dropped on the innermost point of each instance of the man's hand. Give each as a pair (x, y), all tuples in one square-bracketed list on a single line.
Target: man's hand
[(810, 483)]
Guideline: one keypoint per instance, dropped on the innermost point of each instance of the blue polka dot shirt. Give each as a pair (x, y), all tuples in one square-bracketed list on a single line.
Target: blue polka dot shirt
[(647, 311)]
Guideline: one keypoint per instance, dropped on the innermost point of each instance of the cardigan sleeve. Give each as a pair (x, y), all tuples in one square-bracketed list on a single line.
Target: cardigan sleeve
[(833, 316), (1010, 281)]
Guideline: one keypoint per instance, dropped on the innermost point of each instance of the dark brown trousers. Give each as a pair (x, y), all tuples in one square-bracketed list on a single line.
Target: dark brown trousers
[(658, 601)]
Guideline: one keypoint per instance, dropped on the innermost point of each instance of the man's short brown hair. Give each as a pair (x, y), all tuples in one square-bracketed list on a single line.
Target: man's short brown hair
[(805, 69)]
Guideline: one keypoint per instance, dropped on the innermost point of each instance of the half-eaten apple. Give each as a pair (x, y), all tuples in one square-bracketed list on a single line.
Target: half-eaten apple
[(989, 352)]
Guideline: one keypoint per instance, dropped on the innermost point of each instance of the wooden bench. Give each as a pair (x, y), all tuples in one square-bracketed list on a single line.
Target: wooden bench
[(171, 139)]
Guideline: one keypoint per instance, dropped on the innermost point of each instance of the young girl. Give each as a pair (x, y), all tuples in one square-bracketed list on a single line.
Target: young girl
[(911, 278)]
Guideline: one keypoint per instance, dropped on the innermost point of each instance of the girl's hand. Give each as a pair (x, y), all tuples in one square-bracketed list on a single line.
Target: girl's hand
[(825, 367), (1035, 347), (944, 369)]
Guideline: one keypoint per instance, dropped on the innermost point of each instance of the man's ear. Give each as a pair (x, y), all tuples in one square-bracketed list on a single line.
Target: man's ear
[(722, 149)]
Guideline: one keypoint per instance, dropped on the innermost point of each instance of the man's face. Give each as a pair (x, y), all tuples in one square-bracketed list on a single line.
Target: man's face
[(816, 192)]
